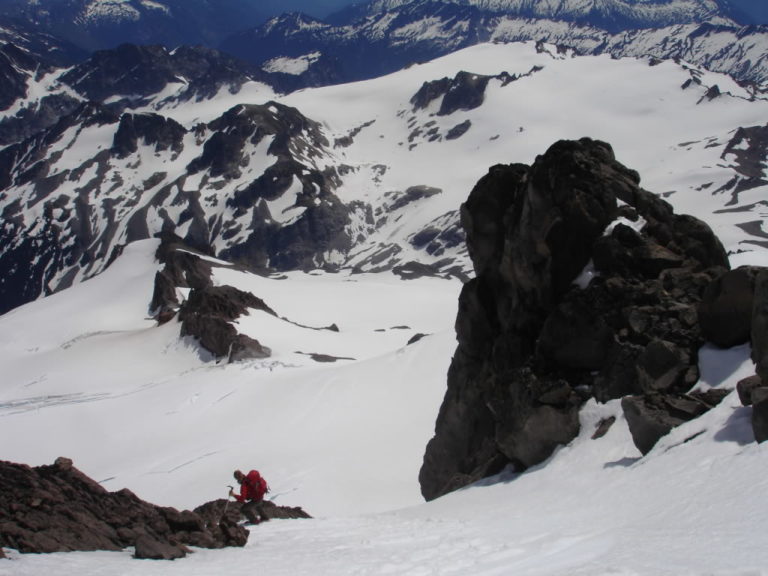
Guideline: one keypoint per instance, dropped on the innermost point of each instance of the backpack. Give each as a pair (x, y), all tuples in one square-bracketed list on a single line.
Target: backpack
[(257, 484)]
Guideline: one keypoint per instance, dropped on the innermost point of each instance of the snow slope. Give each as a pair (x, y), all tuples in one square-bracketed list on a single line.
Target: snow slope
[(181, 420), (344, 440)]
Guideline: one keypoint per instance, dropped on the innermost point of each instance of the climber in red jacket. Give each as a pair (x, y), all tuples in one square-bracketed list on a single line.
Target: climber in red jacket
[(253, 487)]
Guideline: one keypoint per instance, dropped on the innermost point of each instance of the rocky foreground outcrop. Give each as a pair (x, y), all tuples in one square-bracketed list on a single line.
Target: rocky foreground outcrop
[(586, 286), (57, 508)]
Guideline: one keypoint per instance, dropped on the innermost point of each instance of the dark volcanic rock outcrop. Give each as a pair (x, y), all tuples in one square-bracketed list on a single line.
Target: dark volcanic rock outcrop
[(466, 91), (725, 312), (208, 312), (586, 286), (57, 508), (213, 512)]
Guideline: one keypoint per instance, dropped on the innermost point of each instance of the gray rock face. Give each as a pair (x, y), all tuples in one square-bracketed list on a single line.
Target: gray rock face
[(745, 388), (532, 344), (652, 416)]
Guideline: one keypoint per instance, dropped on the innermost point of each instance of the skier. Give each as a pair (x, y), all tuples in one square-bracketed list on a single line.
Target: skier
[(252, 490)]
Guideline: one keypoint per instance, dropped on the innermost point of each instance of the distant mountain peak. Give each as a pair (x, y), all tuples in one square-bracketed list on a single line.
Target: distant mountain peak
[(620, 13)]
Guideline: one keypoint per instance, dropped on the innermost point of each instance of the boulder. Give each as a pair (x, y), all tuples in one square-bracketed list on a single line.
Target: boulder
[(760, 413), (745, 388), (725, 312), (652, 416), (585, 285), (760, 325), (148, 548)]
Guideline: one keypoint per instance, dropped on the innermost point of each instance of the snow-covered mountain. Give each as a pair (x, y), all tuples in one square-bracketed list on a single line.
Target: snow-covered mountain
[(613, 15), (96, 24), (337, 420), (337, 195), (387, 36), (300, 182)]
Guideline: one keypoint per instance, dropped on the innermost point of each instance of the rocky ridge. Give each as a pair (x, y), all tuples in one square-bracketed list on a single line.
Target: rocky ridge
[(379, 38), (258, 184), (586, 286), (221, 195), (57, 508)]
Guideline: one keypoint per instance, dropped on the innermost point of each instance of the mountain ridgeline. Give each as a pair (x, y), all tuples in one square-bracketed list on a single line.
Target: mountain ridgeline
[(114, 150), (221, 199), (94, 156), (377, 38), (99, 24)]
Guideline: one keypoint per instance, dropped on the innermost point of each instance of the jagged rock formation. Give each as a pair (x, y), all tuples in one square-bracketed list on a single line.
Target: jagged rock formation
[(586, 286), (208, 311), (57, 508), (253, 186), (614, 15), (41, 45), (17, 67)]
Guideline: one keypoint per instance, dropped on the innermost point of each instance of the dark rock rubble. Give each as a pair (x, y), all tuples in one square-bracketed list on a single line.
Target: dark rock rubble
[(586, 286), (57, 508)]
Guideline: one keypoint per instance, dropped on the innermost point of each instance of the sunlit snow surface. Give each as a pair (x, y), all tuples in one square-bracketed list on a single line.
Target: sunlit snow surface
[(86, 374)]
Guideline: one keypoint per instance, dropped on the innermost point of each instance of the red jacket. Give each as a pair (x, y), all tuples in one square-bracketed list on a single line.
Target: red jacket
[(253, 488)]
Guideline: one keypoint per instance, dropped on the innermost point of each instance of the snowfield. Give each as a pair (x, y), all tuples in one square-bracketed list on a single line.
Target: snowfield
[(88, 375), (136, 407)]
